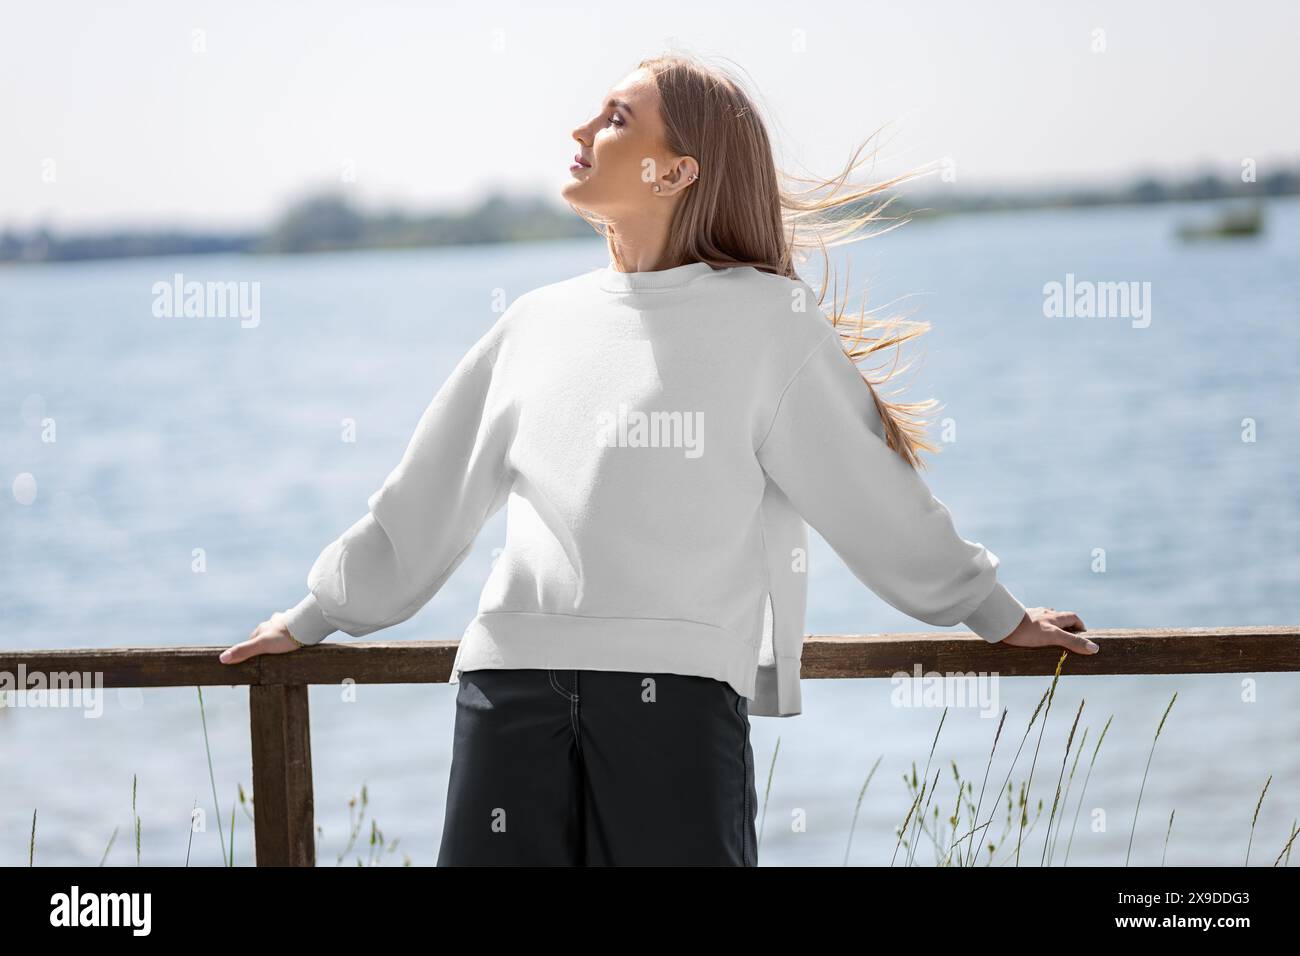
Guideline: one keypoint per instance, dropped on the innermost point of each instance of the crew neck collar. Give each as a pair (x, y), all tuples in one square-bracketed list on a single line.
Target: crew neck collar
[(613, 280)]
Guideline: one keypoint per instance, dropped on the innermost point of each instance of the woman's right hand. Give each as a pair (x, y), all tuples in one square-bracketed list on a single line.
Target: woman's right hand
[(269, 637), (1047, 627)]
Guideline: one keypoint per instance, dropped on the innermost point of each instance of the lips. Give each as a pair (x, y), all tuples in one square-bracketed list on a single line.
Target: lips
[(581, 162)]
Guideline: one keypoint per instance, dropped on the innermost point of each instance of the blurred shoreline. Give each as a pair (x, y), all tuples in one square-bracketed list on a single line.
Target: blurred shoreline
[(330, 221)]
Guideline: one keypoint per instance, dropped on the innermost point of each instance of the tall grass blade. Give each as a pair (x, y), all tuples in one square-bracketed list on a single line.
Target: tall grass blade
[(212, 777), (1255, 818), (1051, 694), (1084, 791), (1069, 743), (856, 806), (1144, 776)]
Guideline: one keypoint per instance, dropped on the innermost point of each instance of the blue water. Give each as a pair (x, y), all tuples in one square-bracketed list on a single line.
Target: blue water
[(178, 437)]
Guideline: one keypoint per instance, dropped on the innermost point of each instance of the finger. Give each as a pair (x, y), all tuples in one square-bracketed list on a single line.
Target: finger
[(1080, 645), (239, 653), (1068, 621)]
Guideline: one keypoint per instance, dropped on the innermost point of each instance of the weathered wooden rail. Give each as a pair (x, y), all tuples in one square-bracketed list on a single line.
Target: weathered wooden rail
[(281, 731)]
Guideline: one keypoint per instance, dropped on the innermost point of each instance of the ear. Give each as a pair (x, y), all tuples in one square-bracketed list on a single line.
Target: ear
[(683, 172)]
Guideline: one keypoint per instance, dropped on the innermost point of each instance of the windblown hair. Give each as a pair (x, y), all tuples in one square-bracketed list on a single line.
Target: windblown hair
[(740, 212)]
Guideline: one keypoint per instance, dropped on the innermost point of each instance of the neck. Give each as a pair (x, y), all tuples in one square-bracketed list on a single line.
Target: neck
[(639, 245)]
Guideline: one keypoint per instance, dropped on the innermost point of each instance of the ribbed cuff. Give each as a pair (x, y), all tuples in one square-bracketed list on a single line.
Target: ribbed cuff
[(306, 622), (997, 617)]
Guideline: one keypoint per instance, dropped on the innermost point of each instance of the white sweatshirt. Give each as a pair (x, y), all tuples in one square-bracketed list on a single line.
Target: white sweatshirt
[(659, 440)]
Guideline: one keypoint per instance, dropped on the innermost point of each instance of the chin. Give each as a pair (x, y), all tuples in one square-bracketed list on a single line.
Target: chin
[(572, 190)]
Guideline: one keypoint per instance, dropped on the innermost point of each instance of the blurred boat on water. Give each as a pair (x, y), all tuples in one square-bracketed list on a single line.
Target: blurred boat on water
[(1229, 222)]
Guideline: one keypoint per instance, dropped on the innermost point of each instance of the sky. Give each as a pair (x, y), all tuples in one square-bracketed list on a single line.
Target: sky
[(216, 115)]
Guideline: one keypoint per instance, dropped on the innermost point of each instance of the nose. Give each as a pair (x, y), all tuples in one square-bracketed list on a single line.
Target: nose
[(583, 133)]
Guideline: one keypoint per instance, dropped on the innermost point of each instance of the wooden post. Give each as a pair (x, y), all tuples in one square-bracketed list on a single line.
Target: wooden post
[(283, 810)]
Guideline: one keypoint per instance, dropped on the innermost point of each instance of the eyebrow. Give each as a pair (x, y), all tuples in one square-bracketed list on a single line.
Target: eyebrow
[(622, 104)]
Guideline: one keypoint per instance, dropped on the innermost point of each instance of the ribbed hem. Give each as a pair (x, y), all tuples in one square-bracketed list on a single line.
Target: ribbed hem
[(539, 640), (611, 280), (306, 623), (777, 689), (997, 617)]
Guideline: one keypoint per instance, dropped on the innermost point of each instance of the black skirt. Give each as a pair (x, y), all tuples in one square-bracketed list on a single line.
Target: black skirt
[(599, 768)]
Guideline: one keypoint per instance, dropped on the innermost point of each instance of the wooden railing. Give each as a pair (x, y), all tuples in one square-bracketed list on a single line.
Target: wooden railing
[(281, 731)]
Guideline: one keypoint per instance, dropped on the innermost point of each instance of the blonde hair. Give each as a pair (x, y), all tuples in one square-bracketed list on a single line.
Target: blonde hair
[(738, 213)]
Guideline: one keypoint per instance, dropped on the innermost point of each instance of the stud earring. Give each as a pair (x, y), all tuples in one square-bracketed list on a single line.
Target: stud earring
[(693, 178)]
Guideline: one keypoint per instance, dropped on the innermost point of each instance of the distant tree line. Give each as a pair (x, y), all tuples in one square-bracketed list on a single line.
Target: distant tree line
[(330, 221), (1148, 189)]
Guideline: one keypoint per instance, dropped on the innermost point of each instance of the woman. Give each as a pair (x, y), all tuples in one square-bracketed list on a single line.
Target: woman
[(661, 429)]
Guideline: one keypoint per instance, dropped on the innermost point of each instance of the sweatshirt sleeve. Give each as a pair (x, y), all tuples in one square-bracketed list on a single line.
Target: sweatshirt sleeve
[(422, 521), (825, 449)]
